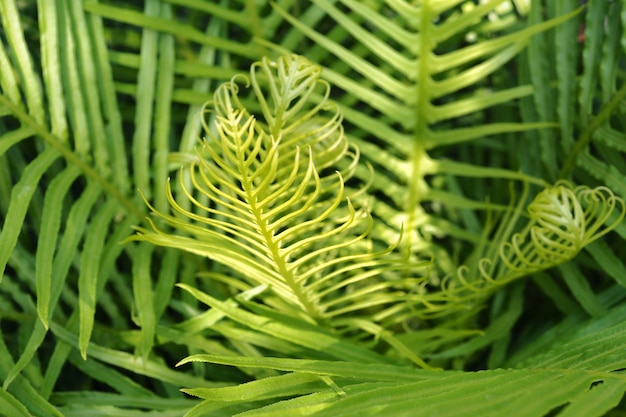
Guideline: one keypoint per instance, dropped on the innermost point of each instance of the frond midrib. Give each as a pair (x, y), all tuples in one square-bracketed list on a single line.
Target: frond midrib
[(73, 159), (266, 229)]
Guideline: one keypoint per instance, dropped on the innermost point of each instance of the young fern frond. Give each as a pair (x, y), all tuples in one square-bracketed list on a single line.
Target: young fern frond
[(273, 214), (562, 220), (287, 92)]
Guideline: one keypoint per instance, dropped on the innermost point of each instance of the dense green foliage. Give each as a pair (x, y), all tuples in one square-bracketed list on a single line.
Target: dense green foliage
[(329, 208)]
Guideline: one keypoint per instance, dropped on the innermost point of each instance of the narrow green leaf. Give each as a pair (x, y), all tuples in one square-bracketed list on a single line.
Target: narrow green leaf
[(365, 68), (110, 376), (611, 51), (7, 140), (68, 247), (557, 333), (142, 147), (374, 42), (594, 34), (611, 138), (581, 289), (469, 170), (21, 195), (359, 371), (457, 136), (541, 74), (300, 406), (22, 390), (47, 241), (94, 398), (498, 328), (479, 102), (57, 362), (380, 101), (587, 134), (134, 363), (144, 297), (14, 31), (89, 273), (566, 48), (49, 28), (600, 170), (478, 72), (486, 393), (383, 23), (166, 281), (73, 158), (8, 80), (104, 410), (608, 260), (177, 28), (163, 111), (10, 406), (293, 330), (211, 408), (28, 353), (598, 401), (282, 386), (74, 91), (600, 339), (110, 106), (87, 79)]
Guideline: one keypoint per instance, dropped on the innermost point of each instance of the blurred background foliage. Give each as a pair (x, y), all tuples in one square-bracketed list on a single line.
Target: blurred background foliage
[(450, 101)]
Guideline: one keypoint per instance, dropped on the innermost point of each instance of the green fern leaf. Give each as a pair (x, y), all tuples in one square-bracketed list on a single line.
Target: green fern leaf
[(407, 86), (271, 215), (562, 221), (559, 379)]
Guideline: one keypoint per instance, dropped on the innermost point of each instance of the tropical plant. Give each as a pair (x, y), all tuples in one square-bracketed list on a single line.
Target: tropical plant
[(375, 208)]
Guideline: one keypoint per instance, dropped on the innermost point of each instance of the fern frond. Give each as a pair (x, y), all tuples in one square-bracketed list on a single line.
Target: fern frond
[(397, 74), (276, 219), (562, 220), (375, 389), (334, 222), (66, 185)]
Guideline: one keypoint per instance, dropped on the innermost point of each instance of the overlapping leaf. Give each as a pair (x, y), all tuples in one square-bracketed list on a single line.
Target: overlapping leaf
[(559, 381)]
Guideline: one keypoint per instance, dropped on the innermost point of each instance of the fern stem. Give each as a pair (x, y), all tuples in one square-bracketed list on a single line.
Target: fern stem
[(252, 11), (421, 128), (71, 157), (585, 137), (261, 221)]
